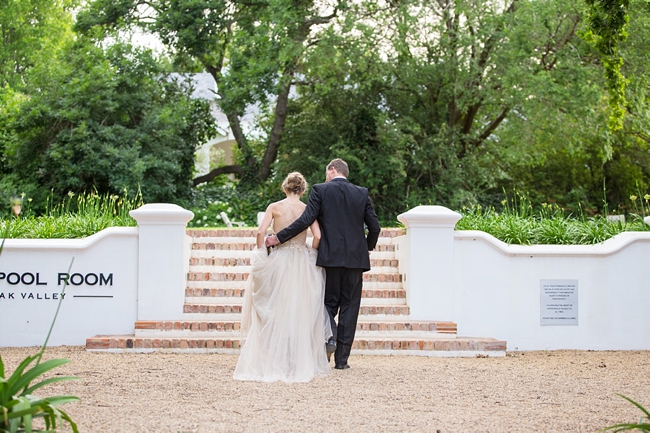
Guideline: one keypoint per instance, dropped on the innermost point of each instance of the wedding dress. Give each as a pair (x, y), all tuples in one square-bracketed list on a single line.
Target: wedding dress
[(284, 322)]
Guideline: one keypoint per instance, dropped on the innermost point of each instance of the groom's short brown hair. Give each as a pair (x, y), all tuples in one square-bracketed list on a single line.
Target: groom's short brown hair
[(339, 165)]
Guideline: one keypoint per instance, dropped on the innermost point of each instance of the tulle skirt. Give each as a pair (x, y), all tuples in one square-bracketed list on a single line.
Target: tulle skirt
[(284, 322)]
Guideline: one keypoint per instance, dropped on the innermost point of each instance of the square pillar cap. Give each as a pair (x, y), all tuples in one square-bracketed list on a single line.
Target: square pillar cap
[(429, 216), (161, 214)]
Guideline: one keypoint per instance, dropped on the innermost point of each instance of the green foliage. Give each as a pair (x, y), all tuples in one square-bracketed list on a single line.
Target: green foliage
[(238, 204), (20, 407), (32, 32), (78, 216), (642, 425), (608, 21), (104, 119), (518, 223)]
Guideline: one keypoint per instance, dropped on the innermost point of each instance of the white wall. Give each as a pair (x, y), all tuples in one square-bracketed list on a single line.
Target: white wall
[(25, 321), (147, 267), (496, 289)]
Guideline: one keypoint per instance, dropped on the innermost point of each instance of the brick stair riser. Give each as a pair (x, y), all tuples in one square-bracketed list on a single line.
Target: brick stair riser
[(239, 301), (430, 347), (365, 310), (237, 244), (216, 275), (389, 272), (216, 285), (252, 232), (388, 328), (246, 254), (239, 293)]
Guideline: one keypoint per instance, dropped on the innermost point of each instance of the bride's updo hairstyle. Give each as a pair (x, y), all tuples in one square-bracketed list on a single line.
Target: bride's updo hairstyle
[(295, 183)]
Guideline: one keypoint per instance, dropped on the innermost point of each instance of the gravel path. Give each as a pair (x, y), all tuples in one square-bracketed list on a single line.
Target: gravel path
[(527, 391)]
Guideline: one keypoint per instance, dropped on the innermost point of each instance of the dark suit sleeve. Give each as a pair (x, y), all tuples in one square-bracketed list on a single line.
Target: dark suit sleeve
[(305, 220), (372, 222)]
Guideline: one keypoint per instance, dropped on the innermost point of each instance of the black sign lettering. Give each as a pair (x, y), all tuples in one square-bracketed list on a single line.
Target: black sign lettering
[(76, 279), (27, 278), (63, 277), (108, 280), (13, 276), (91, 279), (11, 296), (38, 281)]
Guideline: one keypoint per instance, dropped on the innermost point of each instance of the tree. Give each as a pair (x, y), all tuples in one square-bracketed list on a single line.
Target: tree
[(105, 120), (31, 31), (254, 51)]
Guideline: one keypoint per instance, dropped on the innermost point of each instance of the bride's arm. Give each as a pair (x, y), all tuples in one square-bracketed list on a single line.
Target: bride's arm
[(266, 222), (315, 230)]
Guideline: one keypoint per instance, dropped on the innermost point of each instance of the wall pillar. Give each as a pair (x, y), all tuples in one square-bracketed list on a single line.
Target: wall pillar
[(429, 272), (162, 260)]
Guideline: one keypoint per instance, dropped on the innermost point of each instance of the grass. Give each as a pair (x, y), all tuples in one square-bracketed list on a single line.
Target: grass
[(77, 216), (519, 224)]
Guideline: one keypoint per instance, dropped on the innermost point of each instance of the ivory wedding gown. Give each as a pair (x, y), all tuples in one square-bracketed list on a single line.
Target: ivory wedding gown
[(284, 322)]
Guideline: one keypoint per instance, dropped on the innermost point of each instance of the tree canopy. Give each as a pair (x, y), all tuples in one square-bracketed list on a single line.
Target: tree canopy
[(443, 102)]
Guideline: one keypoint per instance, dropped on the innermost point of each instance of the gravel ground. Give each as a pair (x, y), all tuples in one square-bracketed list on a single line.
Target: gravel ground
[(567, 391)]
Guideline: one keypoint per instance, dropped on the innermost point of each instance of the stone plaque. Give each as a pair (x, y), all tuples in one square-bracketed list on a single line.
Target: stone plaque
[(559, 302)]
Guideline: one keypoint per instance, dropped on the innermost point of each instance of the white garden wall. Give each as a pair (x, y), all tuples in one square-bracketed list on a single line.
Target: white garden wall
[(492, 289), (118, 276)]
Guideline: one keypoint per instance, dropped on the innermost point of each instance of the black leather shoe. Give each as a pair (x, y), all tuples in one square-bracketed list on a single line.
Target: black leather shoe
[(342, 367), (330, 347)]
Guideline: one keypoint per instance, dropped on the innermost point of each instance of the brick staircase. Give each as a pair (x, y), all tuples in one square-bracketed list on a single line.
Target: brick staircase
[(219, 267)]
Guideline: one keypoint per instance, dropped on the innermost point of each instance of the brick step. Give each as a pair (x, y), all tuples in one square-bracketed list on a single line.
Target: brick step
[(229, 262), (442, 347), (219, 244), (210, 328), (372, 285), (239, 293), (365, 310), (243, 276), (232, 300), (246, 254), (252, 232)]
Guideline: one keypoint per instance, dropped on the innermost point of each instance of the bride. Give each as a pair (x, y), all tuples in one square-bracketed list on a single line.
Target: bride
[(284, 324)]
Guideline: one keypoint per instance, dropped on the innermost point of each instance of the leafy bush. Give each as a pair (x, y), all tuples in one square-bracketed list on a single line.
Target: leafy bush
[(238, 203)]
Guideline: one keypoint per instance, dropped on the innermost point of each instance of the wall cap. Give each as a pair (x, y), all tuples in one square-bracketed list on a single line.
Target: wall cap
[(70, 244), (429, 216), (161, 214)]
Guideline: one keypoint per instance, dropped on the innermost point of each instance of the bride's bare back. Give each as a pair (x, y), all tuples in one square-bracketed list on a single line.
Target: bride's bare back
[(282, 214)]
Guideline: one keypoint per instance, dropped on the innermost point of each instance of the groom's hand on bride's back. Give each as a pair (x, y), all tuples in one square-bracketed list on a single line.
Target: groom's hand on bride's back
[(271, 240)]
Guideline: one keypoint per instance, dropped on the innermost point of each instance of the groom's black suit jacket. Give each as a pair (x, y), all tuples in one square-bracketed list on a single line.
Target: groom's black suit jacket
[(341, 209)]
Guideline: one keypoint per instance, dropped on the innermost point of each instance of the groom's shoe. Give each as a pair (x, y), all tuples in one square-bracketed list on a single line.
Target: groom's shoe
[(342, 366), (330, 347)]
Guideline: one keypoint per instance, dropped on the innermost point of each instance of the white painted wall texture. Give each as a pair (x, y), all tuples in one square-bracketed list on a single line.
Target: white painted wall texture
[(119, 275), (495, 288)]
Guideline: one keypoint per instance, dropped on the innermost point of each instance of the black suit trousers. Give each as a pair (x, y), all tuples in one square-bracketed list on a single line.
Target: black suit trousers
[(343, 297)]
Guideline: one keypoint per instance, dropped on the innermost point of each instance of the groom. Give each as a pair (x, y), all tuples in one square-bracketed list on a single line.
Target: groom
[(341, 209)]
